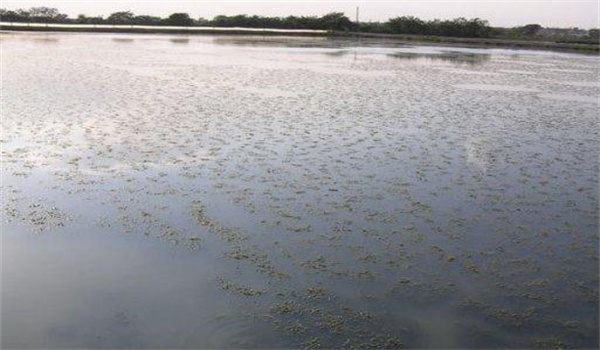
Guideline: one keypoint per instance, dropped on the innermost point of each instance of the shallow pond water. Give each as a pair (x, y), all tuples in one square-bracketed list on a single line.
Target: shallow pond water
[(239, 192)]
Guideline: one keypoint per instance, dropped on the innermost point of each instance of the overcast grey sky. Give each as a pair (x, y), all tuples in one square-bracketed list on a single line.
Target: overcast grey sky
[(549, 13)]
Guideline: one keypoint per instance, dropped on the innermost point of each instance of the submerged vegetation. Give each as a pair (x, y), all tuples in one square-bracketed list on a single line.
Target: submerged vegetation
[(335, 21), (168, 191)]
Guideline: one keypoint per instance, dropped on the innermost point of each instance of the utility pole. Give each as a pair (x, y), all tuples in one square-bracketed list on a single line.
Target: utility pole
[(357, 31)]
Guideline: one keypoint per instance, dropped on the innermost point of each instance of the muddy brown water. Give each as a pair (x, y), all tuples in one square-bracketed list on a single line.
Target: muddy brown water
[(224, 192)]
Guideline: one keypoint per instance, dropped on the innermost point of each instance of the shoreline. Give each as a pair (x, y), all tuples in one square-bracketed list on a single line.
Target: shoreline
[(396, 38), (137, 29), (480, 42)]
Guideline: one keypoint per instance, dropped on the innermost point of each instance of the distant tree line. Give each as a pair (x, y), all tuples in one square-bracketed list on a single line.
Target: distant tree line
[(34, 14), (331, 21), (458, 27), (52, 15), (337, 21)]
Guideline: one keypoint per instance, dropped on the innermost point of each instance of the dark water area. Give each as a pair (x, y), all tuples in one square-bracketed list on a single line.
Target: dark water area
[(163, 191)]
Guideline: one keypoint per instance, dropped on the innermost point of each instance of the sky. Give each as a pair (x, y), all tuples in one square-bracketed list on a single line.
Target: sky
[(505, 13)]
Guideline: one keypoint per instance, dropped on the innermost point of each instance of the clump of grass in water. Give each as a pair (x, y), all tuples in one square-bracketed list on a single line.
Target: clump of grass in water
[(318, 264), (287, 307), (237, 289), (317, 293)]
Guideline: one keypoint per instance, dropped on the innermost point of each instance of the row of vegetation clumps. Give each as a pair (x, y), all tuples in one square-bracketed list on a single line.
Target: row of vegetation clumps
[(335, 21)]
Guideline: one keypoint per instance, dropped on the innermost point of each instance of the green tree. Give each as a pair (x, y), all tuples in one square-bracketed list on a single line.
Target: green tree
[(407, 25), (46, 15), (180, 19), (122, 17), (202, 21), (147, 20), (530, 29), (335, 21), (43, 12), (13, 16), (83, 19), (460, 27)]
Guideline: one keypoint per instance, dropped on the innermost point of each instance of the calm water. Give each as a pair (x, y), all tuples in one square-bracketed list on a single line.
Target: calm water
[(237, 192)]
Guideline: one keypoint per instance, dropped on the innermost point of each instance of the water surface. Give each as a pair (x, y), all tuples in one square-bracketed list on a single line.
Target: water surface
[(235, 192)]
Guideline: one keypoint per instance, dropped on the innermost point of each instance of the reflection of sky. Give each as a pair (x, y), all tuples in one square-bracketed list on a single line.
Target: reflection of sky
[(476, 154), (106, 289)]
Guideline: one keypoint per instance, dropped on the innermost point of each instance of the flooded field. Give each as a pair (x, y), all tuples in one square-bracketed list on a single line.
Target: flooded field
[(240, 192)]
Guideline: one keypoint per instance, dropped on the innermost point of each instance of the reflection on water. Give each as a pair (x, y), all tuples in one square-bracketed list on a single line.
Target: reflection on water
[(122, 40), (337, 53), (127, 293), (46, 39), (297, 193), (445, 56), (572, 97), (274, 41), (490, 87), (305, 42), (179, 40)]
